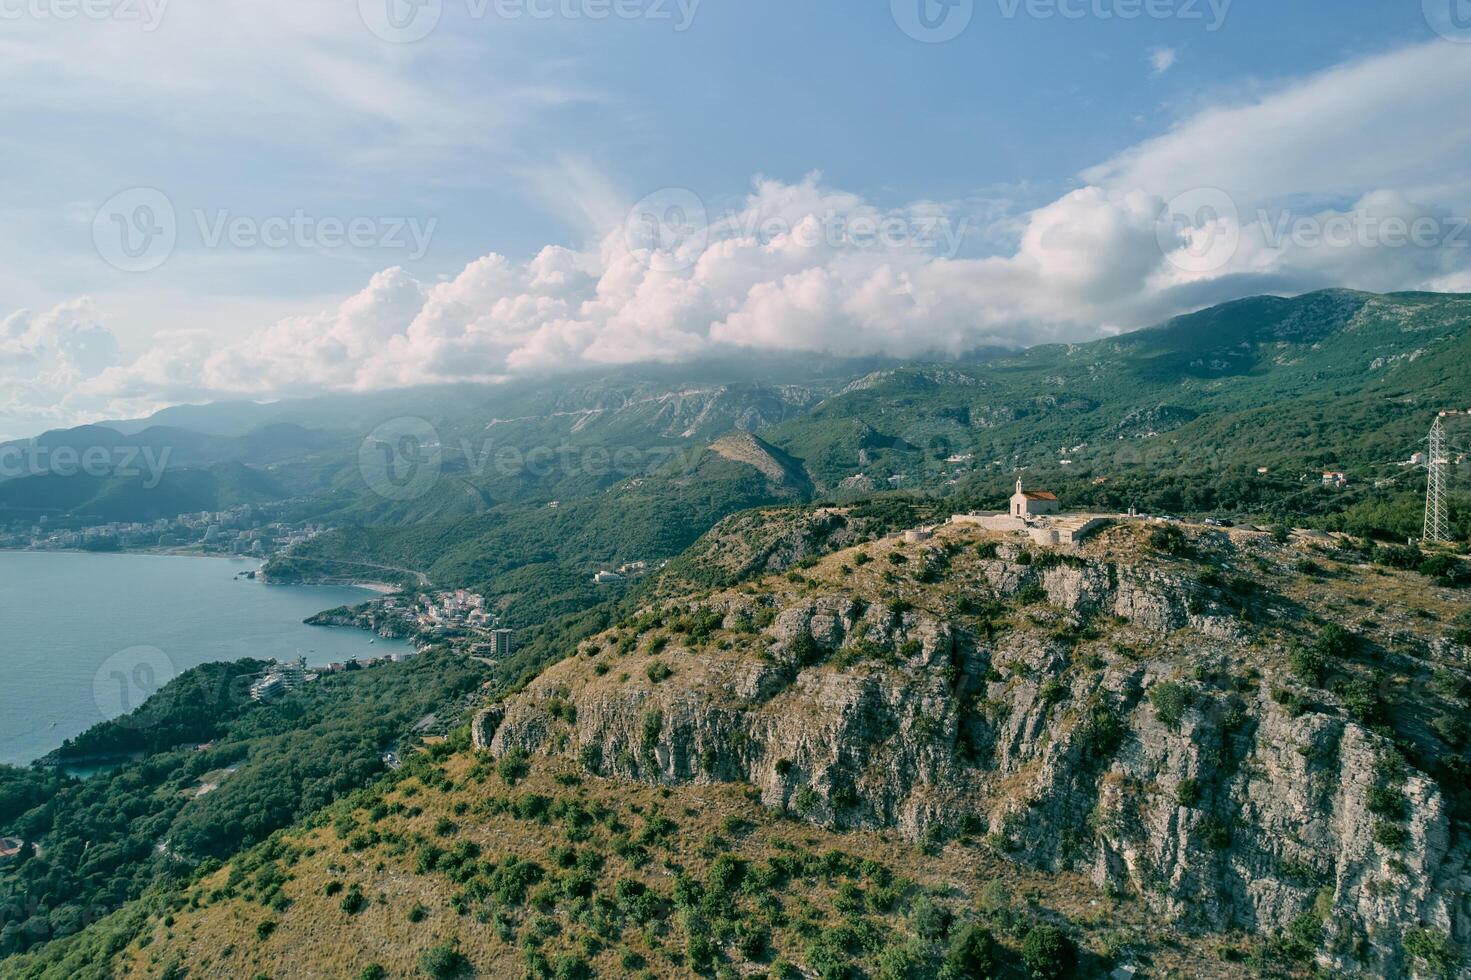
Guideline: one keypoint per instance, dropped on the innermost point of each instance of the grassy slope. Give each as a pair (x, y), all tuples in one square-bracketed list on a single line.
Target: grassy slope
[(875, 887)]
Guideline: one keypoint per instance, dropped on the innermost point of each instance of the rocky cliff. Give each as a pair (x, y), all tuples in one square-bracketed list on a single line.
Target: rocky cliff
[(1244, 736)]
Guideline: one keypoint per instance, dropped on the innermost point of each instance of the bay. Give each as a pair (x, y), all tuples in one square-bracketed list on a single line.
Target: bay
[(86, 637)]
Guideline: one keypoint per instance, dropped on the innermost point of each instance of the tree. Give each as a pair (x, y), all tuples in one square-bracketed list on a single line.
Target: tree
[(972, 955), (1047, 953)]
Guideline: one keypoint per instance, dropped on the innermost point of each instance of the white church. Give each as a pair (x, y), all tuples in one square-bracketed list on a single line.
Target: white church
[(1032, 503), (1037, 514)]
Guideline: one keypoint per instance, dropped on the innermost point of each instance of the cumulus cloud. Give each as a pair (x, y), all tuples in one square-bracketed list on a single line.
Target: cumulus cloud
[(45, 357), (1303, 192)]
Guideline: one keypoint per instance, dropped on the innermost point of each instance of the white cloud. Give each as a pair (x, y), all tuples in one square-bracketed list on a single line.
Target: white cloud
[(1162, 60), (45, 357), (1387, 120), (807, 267)]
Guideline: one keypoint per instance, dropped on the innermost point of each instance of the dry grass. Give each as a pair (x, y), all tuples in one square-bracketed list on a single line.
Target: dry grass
[(315, 937)]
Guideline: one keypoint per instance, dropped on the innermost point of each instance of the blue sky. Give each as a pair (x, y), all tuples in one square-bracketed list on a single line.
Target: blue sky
[(1045, 137)]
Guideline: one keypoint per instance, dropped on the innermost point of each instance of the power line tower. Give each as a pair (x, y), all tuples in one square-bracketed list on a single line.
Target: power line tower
[(1436, 527)]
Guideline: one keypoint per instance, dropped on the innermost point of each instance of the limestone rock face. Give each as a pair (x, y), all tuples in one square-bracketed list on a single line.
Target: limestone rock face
[(1227, 812)]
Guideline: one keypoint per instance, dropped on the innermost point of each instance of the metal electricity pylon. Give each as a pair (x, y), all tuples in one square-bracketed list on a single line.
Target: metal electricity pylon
[(1436, 527)]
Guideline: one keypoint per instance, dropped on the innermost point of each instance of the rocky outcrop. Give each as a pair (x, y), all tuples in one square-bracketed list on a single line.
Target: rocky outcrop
[(1120, 728)]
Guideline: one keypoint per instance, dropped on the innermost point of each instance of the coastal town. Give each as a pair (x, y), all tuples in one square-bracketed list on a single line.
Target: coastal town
[(454, 618), (250, 530)]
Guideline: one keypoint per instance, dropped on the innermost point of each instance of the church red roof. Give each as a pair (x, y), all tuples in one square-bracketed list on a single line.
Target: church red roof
[(1038, 495)]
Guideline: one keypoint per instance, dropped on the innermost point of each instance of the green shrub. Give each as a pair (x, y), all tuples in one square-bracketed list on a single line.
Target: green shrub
[(658, 671), (1187, 792), (972, 955), (1390, 835), (1308, 664), (652, 726), (1451, 729), (444, 961), (1214, 834), (1169, 700), (1169, 541), (513, 767), (1306, 933), (354, 901), (372, 972), (1386, 802), (511, 881), (1335, 642), (1101, 730), (570, 966), (726, 872), (1031, 594), (1433, 949), (931, 920), (1047, 953), (1361, 700)]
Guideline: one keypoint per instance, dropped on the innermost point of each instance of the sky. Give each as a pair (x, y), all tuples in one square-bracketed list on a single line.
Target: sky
[(204, 199)]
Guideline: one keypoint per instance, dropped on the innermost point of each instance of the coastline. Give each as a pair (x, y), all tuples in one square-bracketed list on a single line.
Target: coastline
[(377, 587), (79, 623), (155, 552)]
